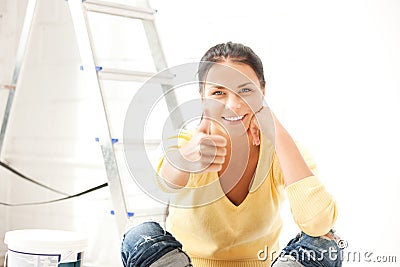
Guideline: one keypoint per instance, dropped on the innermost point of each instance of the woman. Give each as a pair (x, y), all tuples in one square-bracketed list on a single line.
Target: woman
[(245, 160)]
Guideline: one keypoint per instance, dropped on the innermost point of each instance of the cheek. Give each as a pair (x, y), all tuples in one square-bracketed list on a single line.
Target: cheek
[(254, 103), (214, 107)]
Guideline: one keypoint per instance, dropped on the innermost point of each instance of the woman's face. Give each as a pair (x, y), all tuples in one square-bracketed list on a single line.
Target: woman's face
[(232, 95)]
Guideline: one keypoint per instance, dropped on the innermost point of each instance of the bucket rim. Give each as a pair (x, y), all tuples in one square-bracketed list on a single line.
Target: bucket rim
[(45, 239)]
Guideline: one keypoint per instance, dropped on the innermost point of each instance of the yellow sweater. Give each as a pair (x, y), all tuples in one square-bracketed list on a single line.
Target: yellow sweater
[(220, 234)]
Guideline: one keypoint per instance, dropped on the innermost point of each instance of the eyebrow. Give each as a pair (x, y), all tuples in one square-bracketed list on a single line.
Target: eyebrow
[(239, 86), (245, 84)]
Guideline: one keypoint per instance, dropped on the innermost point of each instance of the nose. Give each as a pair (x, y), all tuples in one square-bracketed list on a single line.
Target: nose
[(233, 102)]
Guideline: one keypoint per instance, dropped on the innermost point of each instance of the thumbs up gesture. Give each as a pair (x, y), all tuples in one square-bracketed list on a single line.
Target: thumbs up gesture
[(204, 152)]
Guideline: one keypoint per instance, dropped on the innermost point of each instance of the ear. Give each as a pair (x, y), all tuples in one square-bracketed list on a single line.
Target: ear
[(263, 90)]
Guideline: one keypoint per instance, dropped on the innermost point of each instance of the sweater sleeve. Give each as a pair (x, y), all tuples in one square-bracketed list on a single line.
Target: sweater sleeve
[(175, 142), (313, 208)]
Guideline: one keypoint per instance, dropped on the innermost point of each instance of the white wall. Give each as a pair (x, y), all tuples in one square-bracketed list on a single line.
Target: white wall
[(332, 70)]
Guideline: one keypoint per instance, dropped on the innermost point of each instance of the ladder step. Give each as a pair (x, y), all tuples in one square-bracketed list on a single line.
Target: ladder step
[(119, 10), (7, 86), (133, 76)]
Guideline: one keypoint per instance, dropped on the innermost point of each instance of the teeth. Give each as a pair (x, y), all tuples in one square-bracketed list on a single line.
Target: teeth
[(234, 118)]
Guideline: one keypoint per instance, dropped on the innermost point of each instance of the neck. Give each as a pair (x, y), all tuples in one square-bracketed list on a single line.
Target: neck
[(239, 142), (240, 149)]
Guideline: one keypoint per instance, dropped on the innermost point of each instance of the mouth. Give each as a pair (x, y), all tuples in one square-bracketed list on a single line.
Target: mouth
[(234, 118)]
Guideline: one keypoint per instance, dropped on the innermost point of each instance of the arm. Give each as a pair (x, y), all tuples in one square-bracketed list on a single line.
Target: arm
[(293, 166), (174, 177), (313, 208)]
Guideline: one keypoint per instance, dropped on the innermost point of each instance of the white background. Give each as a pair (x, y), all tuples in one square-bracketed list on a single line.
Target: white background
[(333, 79)]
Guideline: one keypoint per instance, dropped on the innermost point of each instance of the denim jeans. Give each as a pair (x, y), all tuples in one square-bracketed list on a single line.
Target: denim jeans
[(149, 245), (146, 245), (308, 251)]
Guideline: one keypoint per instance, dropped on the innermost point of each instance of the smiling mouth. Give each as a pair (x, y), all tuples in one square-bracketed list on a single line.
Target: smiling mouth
[(233, 119)]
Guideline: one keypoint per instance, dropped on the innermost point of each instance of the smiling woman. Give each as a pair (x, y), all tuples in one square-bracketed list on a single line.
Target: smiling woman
[(241, 151)]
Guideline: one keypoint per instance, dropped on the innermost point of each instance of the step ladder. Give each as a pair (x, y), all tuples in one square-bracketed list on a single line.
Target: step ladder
[(94, 74), (12, 87)]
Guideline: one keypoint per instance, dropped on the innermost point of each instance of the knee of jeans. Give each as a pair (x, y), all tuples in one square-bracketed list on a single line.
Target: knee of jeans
[(134, 236)]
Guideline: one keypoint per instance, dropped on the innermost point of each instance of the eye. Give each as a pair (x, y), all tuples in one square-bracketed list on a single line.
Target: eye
[(217, 92), (245, 90)]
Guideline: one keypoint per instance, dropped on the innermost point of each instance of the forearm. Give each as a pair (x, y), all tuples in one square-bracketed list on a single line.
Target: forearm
[(174, 177), (294, 167), (313, 208)]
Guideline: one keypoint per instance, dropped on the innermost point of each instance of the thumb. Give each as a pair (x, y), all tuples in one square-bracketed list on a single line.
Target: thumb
[(205, 123)]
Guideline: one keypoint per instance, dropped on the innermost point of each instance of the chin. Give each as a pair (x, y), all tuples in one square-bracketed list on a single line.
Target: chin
[(237, 129)]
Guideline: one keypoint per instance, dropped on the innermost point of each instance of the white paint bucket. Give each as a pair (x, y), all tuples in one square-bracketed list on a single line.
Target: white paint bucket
[(44, 248)]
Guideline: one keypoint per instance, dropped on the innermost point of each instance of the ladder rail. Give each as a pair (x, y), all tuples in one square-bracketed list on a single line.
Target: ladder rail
[(85, 44), (23, 41), (160, 62)]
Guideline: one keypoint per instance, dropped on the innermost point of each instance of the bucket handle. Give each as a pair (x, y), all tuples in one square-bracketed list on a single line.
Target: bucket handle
[(6, 259)]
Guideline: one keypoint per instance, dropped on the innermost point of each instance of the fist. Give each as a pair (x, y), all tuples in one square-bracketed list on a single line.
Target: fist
[(204, 152)]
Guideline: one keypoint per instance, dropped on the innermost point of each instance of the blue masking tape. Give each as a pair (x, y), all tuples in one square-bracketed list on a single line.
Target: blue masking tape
[(98, 68), (129, 213), (113, 140)]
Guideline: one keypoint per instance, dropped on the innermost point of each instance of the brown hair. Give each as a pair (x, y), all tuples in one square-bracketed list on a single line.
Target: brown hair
[(234, 52)]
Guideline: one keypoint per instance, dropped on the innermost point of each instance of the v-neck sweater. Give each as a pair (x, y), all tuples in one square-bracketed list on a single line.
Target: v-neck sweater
[(218, 233)]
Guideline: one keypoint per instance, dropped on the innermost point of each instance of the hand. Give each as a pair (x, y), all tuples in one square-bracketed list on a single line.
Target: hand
[(204, 152), (263, 121)]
